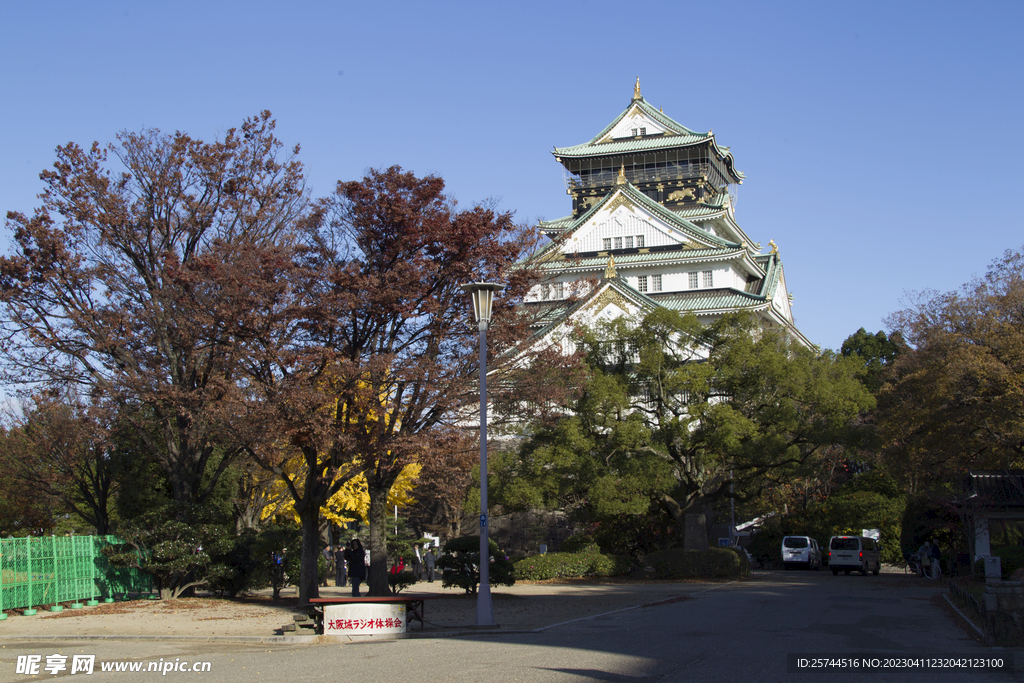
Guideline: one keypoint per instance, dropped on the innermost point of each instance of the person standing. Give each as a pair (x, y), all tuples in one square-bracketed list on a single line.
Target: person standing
[(430, 561), (355, 556), (339, 566), (417, 562), (329, 556)]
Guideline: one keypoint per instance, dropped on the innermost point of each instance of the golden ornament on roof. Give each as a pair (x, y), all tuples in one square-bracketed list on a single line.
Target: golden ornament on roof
[(636, 89), (609, 272)]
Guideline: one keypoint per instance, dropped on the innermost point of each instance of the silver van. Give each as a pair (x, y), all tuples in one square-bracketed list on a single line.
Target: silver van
[(854, 553), (800, 551)]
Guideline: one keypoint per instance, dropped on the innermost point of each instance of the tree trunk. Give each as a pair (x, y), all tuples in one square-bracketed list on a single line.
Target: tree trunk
[(377, 581), (695, 531), (309, 584)]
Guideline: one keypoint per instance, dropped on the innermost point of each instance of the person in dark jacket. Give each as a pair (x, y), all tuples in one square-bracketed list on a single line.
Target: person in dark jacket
[(355, 558), (430, 561), (339, 566)]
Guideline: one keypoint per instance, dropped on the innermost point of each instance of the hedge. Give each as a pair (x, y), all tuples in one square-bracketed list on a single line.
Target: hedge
[(714, 563), (589, 562)]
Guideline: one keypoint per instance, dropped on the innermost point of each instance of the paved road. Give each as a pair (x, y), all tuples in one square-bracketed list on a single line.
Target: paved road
[(738, 632)]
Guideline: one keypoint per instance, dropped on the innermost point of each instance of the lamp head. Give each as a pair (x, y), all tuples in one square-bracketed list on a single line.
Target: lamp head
[(483, 299)]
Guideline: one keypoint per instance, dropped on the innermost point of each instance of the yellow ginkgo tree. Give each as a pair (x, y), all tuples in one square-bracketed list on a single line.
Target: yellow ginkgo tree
[(351, 502)]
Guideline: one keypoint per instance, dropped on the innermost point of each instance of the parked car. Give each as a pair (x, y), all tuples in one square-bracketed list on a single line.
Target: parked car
[(800, 551), (854, 553)]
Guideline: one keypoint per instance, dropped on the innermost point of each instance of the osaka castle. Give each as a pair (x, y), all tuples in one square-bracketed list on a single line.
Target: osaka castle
[(653, 224)]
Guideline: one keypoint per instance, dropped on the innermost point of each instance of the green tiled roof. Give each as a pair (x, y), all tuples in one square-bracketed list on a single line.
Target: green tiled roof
[(770, 263), (557, 225), (628, 145), (710, 300), (547, 312), (697, 211), (640, 258)]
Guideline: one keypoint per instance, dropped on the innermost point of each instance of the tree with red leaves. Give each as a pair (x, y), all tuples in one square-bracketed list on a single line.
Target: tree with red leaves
[(59, 449), (144, 277), (378, 368)]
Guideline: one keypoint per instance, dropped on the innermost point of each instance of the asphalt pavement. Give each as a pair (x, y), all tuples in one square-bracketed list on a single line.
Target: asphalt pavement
[(747, 631)]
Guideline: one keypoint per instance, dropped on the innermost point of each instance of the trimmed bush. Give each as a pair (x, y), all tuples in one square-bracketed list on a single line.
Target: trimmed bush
[(744, 562), (401, 581), (577, 543), (572, 565), (459, 564), (714, 563), (552, 566)]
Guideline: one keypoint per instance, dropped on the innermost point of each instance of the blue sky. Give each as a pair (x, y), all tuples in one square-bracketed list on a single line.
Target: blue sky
[(883, 143)]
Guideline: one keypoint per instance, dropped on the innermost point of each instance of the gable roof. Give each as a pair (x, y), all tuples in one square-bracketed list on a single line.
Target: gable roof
[(565, 227), (675, 135), (555, 313)]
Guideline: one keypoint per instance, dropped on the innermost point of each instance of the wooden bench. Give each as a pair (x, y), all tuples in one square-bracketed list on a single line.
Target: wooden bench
[(414, 605)]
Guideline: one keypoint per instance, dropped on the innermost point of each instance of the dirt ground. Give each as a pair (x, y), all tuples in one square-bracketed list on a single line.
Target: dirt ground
[(520, 607)]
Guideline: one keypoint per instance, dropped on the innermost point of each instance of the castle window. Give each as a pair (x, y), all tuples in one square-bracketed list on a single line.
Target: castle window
[(559, 290), (633, 131), (640, 241), (656, 283), (607, 243), (643, 131), (641, 283), (707, 278), (629, 242), (693, 280), (545, 292), (618, 243)]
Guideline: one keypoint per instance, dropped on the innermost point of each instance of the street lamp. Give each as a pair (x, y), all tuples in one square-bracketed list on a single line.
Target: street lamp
[(483, 298)]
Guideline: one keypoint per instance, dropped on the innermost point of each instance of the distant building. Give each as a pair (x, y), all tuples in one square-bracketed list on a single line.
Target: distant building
[(653, 224)]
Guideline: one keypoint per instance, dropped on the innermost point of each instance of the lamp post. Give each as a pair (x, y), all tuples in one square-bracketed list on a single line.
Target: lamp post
[(483, 298)]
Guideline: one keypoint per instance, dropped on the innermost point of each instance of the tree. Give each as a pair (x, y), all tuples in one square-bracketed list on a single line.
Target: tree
[(955, 400), (678, 415), (443, 485), (143, 278), (379, 360), (878, 352), (178, 553), (61, 451), (459, 565)]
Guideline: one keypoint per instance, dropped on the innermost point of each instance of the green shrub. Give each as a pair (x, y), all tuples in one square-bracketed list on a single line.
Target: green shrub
[(714, 563), (177, 554), (280, 546), (245, 571), (588, 562), (766, 544), (459, 564), (576, 543), (401, 581), (744, 562)]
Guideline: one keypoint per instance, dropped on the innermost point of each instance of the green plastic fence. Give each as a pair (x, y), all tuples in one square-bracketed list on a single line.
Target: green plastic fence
[(46, 570)]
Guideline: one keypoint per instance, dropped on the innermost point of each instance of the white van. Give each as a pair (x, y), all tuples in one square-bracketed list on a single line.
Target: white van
[(854, 553), (800, 551)]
